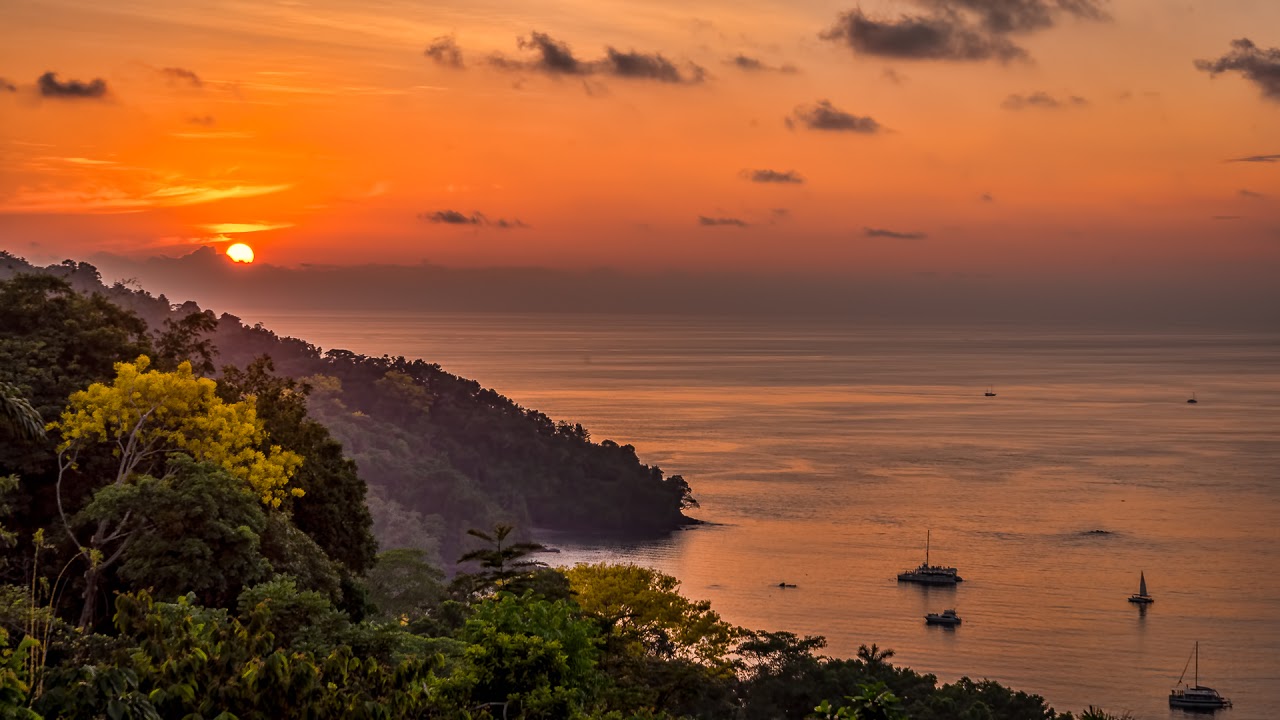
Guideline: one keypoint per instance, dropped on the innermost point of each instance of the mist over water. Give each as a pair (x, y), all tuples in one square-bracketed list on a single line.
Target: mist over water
[(823, 453)]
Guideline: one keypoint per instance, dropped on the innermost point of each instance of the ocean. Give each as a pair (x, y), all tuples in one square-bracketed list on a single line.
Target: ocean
[(822, 453)]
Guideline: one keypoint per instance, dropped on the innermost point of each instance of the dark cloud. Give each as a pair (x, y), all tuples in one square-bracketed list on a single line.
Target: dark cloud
[(894, 234), (750, 64), (987, 197), (920, 37), (202, 120), (453, 217), (1257, 159), (1225, 217), (51, 86), (554, 57), (825, 116), (444, 50), (182, 76), (654, 67), (1245, 193), (1041, 99), (1261, 67), (774, 176), (721, 222), (6, 86), (962, 30)]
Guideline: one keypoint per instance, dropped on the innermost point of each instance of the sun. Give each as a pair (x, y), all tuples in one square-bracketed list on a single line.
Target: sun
[(240, 253)]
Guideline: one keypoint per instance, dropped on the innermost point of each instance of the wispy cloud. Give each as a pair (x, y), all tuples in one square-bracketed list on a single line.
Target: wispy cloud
[(550, 56), (893, 234), (751, 64), (444, 51), (1259, 66), (238, 228), (214, 135), (182, 76), (706, 221), (1042, 100), (774, 176), (1251, 195), (6, 86), (454, 217), (825, 116), (1256, 159), (51, 87)]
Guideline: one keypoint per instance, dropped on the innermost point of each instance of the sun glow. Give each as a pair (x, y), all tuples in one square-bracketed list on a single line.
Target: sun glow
[(240, 253)]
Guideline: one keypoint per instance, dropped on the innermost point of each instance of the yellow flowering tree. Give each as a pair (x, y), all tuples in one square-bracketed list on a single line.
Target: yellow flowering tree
[(145, 415)]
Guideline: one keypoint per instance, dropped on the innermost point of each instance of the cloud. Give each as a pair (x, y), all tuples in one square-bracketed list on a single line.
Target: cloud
[(1041, 99), (1261, 67), (237, 228), (50, 86), (1245, 193), (774, 176), (894, 234), (1257, 159), (444, 51), (453, 217), (750, 64), (651, 66), (183, 76), (957, 30), (6, 86), (555, 57), (825, 116), (987, 197), (705, 221), (1225, 217), (203, 120)]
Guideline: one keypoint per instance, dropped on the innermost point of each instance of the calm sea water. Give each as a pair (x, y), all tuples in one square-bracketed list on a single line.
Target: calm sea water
[(824, 452)]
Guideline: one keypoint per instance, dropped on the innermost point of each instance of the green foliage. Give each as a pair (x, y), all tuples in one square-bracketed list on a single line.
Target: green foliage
[(332, 511), (874, 701), (187, 340), (535, 655), (17, 415), (199, 532), (405, 586), (14, 686)]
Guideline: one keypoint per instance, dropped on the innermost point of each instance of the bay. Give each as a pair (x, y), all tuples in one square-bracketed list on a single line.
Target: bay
[(822, 452)]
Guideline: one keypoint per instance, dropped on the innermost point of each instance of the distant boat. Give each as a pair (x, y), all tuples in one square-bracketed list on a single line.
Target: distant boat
[(928, 574), (1193, 400), (1142, 598), (989, 392), (1196, 697), (946, 617)]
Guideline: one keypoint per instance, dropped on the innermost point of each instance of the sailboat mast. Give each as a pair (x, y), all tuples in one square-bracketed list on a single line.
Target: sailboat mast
[(1197, 663), (927, 535)]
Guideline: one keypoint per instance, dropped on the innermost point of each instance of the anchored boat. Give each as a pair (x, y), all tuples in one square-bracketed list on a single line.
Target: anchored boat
[(1196, 697), (1142, 598), (928, 574)]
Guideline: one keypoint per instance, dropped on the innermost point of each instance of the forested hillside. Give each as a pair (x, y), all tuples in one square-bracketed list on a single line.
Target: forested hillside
[(439, 453)]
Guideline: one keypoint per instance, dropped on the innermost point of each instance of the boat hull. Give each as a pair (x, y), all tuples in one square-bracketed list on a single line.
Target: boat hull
[(1140, 600)]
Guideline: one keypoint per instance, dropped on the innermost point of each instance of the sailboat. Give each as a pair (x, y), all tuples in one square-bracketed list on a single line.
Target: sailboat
[(1193, 400), (928, 574), (989, 392), (1196, 697), (1142, 598)]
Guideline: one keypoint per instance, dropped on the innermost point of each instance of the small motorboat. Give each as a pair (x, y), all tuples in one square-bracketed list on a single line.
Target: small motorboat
[(946, 617)]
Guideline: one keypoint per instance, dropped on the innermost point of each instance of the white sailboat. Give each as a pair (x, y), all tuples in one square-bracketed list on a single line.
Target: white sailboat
[(1142, 598), (1196, 697)]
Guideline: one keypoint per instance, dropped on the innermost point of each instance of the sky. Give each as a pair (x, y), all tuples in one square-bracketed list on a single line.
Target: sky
[(1090, 141)]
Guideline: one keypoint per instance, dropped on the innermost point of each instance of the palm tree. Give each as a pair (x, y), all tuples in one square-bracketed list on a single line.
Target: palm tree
[(501, 562), (16, 412), (874, 655)]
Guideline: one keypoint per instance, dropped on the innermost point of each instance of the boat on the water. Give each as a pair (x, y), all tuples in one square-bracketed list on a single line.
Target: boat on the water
[(928, 574), (1195, 697), (1193, 400), (1142, 598), (946, 617), (990, 392)]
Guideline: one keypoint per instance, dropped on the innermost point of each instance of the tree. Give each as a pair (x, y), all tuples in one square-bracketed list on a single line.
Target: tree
[(404, 585), (198, 532), (874, 701), (187, 340), (17, 414), (333, 511), (147, 415), (643, 612), (501, 562)]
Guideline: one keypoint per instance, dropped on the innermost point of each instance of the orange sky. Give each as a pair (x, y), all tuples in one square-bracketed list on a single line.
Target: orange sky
[(318, 131)]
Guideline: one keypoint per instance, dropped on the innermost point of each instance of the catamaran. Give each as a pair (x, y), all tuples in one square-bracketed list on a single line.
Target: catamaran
[(1196, 697), (1142, 598), (928, 574)]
